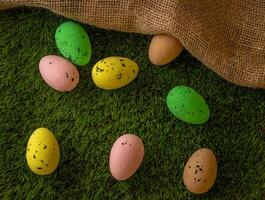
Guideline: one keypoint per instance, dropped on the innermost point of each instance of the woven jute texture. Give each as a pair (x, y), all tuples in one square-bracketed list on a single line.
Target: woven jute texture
[(228, 36)]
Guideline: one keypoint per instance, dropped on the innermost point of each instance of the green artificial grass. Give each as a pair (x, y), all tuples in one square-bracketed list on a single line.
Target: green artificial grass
[(88, 120)]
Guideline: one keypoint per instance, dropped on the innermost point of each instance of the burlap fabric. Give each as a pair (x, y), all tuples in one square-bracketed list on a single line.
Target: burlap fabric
[(228, 36)]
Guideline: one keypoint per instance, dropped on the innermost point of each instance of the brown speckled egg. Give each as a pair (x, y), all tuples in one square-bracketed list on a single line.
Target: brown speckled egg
[(200, 171)]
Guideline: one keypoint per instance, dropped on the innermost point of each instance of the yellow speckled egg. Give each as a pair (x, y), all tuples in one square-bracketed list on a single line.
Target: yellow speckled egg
[(43, 152), (200, 171), (114, 72)]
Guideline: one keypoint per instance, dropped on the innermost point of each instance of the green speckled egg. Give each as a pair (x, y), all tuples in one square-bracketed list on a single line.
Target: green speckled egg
[(187, 105), (73, 42)]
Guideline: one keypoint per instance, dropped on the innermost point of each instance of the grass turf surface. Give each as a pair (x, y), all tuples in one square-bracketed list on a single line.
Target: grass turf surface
[(88, 120)]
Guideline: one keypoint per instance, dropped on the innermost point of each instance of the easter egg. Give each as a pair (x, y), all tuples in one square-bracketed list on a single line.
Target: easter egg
[(59, 73), (42, 152), (126, 156), (73, 42), (187, 105), (200, 171), (163, 49), (114, 72)]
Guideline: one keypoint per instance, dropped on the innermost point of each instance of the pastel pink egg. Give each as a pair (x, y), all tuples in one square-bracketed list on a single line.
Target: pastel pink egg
[(126, 156), (59, 73)]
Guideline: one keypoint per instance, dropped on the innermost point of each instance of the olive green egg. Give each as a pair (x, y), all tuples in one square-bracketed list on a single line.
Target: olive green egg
[(73, 43), (188, 105)]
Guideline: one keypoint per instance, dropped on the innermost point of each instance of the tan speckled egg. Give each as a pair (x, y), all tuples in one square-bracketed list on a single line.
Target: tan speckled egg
[(163, 49), (200, 171)]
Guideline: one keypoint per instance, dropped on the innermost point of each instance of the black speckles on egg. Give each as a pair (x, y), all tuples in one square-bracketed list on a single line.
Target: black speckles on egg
[(45, 147), (188, 91), (42, 161), (134, 71), (28, 149), (67, 75), (36, 151), (125, 143), (85, 54), (73, 79), (123, 65), (198, 166), (199, 180), (196, 171), (39, 168), (83, 36), (121, 59), (34, 156), (200, 111), (78, 50), (119, 76), (99, 69), (189, 166)]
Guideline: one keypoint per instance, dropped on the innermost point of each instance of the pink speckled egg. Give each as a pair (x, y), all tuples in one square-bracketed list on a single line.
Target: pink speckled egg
[(59, 73), (126, 156)]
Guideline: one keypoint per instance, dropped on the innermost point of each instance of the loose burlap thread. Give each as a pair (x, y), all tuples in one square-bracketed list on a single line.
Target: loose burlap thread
[(228, 36)]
